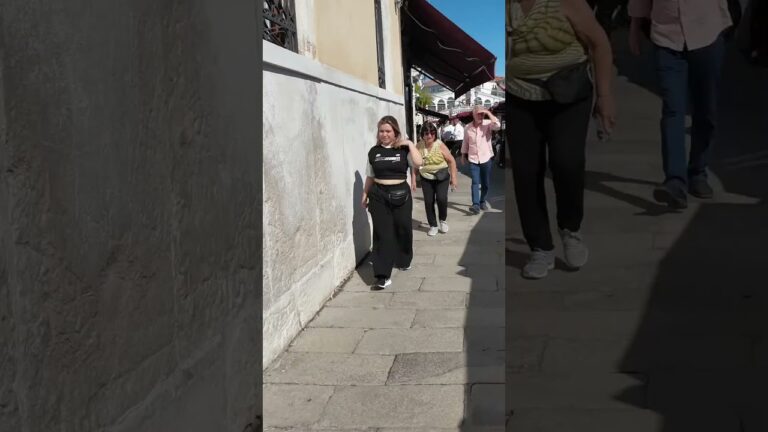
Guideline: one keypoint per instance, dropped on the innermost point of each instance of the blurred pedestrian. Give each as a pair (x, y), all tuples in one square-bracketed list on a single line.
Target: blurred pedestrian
[(556, 46)]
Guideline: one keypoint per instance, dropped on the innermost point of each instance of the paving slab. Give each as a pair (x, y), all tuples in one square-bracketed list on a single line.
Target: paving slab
[(364, 318), (414, 406), (332, 340), (447, 368), (482, 317), (295, 405), (396, 341), (329, 369)]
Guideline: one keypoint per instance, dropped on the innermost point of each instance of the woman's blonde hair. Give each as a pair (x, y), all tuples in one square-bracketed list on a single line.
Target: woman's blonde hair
[(390, 121)]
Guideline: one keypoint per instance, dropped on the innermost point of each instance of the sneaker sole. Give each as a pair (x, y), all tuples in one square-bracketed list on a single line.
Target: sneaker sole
[(663, 195), (702, 196), (571, 266), (534, 277)]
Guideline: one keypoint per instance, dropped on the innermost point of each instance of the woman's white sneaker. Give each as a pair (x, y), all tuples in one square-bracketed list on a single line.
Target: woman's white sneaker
[(432, 231), (443, 227)]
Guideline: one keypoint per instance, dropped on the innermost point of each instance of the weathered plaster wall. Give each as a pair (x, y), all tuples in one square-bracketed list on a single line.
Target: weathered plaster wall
[(318, 126), (346, 37), (130, 209)]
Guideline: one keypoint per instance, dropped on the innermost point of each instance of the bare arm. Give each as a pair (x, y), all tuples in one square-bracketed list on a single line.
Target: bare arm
[(368, 183), (451, 164), (588, 30), (413, 151)]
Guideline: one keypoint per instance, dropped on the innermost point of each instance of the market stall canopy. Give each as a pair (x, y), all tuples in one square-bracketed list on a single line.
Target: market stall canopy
[(431, 113), (442, 50)]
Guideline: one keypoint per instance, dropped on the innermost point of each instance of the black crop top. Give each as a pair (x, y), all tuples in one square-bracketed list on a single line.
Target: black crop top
[(388, 163)]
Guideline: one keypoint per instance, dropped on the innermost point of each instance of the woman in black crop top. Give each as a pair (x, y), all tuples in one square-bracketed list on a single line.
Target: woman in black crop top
[(388, 198)]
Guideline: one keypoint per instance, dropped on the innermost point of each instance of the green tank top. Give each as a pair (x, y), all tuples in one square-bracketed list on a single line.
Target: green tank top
[(433, 158), (539, 44)]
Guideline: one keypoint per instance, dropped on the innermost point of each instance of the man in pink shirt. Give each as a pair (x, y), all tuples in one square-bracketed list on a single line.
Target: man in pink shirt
[(477, 150), (689, 51)]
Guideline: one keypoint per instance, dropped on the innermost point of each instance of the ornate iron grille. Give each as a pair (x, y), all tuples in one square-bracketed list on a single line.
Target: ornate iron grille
[(379, 44), (280, 23)]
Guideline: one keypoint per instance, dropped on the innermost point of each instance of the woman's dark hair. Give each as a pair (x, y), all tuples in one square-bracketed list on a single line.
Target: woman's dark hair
[(429, 127)]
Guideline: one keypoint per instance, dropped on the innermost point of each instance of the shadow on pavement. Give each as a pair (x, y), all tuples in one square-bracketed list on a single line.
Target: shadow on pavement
[(484, 342)]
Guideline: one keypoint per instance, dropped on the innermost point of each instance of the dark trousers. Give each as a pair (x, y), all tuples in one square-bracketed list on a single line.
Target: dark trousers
[(688, 75), (435, 192), (392, 229), (547, 133)]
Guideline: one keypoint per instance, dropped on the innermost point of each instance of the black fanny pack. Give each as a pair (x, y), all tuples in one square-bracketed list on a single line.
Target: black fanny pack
[(568, 85), (440, 175), (395, 197)]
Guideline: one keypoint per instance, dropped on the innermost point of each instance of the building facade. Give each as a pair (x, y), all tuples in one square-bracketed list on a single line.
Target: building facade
[(487, 94), (324, 92)]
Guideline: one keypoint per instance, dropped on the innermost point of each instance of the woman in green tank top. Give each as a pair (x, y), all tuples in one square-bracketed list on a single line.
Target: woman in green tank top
[(437, 171), (557, 54)]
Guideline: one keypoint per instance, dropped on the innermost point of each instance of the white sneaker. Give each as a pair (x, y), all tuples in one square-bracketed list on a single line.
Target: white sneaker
[(383, 283), (432, 231), (443, 227)]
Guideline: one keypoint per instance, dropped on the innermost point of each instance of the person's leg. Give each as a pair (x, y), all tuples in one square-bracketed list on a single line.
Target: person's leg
[(474, 171), (485, 181), (567, 135), (527, 154), (672, 71), (441, 194), (403, 230), (428, 187), (705, 66), (383, 228)]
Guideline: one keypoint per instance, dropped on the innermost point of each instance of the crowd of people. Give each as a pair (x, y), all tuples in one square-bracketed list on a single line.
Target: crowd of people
[(555, 86), (388, 197), (559, 76)]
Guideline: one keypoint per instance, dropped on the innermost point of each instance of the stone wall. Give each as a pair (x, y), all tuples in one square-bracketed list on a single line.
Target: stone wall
[(319, 124), (130, 211)]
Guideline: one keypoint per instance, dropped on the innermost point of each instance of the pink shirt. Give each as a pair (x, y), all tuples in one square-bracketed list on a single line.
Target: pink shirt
[(677, 24), (477, 141)]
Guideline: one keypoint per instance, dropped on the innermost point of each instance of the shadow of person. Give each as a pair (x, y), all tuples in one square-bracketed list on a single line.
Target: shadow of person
[(597, 182), (484, 342), (361, 231), (701, 347)]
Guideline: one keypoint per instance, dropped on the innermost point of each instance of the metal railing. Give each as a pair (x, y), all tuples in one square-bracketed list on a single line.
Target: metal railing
[(280, 23)]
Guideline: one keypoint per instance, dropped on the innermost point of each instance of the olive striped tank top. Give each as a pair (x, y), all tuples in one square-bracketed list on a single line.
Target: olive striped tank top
[(538, 45)]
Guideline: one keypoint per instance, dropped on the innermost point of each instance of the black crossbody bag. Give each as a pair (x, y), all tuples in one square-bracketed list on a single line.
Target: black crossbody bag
[(568, 85)]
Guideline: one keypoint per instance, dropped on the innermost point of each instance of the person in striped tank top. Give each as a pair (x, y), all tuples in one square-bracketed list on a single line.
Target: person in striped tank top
[(557, 53), (437, 172)]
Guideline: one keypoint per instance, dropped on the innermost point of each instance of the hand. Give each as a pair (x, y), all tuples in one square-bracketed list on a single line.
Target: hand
[(413, 186), (605, 110), (454, 184), (365, 201), (464, 159), (636, 36)]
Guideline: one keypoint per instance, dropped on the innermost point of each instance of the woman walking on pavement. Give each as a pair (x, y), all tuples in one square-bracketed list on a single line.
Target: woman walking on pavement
[(437, 172), (388, 198), (477, 150), (550, 99)]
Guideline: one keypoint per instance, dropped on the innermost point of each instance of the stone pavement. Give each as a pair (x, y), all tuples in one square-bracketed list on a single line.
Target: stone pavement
[(665, 328), (425, 354)]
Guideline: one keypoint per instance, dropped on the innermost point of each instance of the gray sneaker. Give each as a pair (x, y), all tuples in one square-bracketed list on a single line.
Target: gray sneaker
[(443, 227), (432, 231), (576, 252), (539, 264)]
